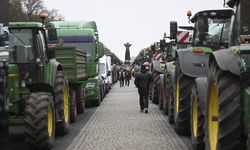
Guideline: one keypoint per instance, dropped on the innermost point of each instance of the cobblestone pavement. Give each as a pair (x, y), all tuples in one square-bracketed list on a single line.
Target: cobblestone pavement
[(118, 124)]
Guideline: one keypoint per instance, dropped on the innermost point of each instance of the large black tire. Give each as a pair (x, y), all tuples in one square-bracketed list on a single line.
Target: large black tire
[(39, 121), (222, 111), (170, 98), (4, 123), (98, 101), (80, 99), (161, 91), (4, 115), (73, 104), (182, 100), (165, 95), (197, 113), (62, 102), (155, 86)]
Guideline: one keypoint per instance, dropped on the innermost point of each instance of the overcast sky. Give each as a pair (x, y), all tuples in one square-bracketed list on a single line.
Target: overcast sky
[(139, 22)]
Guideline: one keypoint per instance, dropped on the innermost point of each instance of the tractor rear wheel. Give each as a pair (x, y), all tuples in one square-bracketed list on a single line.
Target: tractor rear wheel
[(80, 99), (170, 98), (73, 104), (62, 103), (182, 100), (155, 86), (39, 120), (4, 125), (161, 91), (165, 95), (223, 111), (97, 102), (4, 115), (197, 119)]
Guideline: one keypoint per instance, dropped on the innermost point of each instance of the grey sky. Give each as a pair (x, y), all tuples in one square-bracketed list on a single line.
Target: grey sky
[(140, 22)]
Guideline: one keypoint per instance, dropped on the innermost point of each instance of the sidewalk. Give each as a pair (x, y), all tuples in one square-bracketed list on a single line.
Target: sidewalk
[(118, 124)]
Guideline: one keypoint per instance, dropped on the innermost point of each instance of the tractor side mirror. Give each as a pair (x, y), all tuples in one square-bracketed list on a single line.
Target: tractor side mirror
[(173, 30), (202, 24), (162, 45), (52, 34), (100, 50)]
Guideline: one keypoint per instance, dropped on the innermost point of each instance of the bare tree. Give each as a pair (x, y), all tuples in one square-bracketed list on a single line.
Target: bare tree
[(16, 12), (29, 10)]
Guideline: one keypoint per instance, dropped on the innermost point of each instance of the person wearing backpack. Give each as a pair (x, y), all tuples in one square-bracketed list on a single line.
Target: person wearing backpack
[(121, 78), (142, 81), (127, 77)]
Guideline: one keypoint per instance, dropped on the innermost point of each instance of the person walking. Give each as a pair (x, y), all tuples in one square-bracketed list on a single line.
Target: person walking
[(121, 78), (142, 81), (127, 77)]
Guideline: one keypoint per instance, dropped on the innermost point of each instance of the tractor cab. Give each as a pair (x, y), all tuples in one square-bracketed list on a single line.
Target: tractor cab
[(29, 50), (211, 28)]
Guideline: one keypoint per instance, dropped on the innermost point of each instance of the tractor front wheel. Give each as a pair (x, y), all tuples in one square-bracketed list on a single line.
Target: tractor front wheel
[(62, 102), (182, 100), (39, 120), (222, 111), (197, 117), (73, 105), (80, 99)]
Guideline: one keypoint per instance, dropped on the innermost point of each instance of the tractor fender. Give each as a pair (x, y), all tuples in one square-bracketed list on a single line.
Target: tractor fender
[(56, 66), (170, 66), (226, 60), (47, 86), (201, 84), (193, 64), (156, 65), (40, 87), (172, 75)]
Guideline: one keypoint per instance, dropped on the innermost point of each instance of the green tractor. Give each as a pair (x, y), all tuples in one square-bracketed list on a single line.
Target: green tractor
[(211, 30), (84, 36), (37, 89), (227, 115)]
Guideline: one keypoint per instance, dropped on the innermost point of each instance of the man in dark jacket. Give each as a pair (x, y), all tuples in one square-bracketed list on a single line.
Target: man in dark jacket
[(142, 82)]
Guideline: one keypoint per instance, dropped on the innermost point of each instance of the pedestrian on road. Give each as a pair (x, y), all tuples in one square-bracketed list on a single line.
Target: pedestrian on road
[(127, 77), (142, 81), (121, 77)]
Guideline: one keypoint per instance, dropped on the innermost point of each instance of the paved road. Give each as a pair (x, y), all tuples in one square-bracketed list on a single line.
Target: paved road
[(118, 124), (62, 142)]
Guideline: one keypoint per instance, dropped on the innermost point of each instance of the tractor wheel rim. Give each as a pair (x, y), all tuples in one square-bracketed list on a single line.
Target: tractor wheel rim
[(66, 103), (213, 124), (177, 94), (50, 121), (195, 117)]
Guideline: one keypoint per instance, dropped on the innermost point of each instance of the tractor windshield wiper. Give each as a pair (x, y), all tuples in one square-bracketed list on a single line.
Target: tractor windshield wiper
[(18, 38)]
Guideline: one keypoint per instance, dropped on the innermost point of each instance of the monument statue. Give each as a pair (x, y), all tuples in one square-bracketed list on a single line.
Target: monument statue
[(127, 53)]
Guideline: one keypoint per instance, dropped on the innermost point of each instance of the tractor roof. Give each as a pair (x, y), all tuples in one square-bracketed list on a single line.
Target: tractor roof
[(74, 25), (75, 32), (214, 13), (25, 25)]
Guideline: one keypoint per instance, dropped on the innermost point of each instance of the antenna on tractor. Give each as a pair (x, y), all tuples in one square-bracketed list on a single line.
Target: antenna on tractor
[(189, 14), (43, 16)]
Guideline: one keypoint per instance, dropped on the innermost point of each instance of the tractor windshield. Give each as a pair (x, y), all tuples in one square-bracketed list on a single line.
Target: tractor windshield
[(86, 47), (21, 40), (217, 36), (218, 33)]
